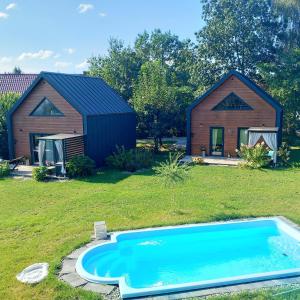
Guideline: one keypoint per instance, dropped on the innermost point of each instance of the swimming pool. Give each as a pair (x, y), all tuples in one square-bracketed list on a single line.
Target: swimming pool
[(181, 258)]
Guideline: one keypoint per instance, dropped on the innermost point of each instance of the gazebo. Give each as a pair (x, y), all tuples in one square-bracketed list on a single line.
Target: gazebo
[(269, 135), (57, 149)]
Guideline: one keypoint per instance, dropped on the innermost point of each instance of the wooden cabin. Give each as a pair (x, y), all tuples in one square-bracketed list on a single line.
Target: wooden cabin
[(218, 121), (82, 112)]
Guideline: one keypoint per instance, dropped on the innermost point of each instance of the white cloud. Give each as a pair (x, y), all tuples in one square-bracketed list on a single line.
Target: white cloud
[(84, 7), (11, 6), (102, 14), (57, 55), (41, 54), (62, 64), (82, 65), (5, 59), (3, 15), (70, 50)]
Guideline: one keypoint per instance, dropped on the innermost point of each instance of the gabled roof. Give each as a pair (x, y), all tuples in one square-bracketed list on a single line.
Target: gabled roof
[(88, 95), (251, 84), (15, 83)]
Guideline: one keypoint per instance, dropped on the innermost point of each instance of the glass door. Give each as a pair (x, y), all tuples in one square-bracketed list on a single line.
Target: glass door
[(49, 155), (217, 141)]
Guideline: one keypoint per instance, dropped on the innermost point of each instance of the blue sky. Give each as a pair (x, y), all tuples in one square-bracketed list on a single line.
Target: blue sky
[(59, 35)]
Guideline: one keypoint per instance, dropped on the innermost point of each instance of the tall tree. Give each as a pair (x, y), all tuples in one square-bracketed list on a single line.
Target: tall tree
[(283, 80), (153, 101), (17, 70), (6, 102), (119, 68), (289, 10), (238, 35)]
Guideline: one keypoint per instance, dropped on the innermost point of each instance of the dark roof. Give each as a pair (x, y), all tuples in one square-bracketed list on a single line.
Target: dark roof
[(15, 83), (88, 95), (251, 84)]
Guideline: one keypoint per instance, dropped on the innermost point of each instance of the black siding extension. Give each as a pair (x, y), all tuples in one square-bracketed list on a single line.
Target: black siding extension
[(104, 132)]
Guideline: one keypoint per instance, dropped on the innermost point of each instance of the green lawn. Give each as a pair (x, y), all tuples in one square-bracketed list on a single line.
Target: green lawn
[(46, 221)]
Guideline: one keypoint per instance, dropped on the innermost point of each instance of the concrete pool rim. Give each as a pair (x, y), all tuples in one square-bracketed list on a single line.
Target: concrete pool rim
[(128, 292)]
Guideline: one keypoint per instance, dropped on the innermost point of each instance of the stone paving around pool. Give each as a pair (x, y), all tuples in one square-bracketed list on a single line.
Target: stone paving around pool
[(111, 292)]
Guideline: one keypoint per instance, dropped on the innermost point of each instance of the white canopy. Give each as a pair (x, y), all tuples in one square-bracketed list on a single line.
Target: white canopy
[(269, 134)]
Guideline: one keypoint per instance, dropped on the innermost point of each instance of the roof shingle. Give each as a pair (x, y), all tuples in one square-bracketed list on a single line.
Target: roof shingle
[(15, 83)]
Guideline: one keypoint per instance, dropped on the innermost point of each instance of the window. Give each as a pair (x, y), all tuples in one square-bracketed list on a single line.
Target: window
[(217, 141), (46, 108), (242, 137), (232, 102)]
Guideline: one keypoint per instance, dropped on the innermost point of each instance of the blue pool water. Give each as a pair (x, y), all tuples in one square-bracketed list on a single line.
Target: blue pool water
[(181, 258)]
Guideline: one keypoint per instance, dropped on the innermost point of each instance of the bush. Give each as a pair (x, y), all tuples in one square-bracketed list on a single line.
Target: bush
[(284, 155), (255, 157), (130, 160), (197, 160), (80, 166), (40, 173), (172, 171), (4, 169)]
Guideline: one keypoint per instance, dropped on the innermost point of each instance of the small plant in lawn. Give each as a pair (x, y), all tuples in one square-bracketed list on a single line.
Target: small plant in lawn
[(255, 157), (172, 172), (40, 173), (284, 155), (4, 169), (80, 166)]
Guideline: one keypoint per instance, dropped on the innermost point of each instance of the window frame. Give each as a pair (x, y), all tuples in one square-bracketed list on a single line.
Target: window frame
[(210, 140), (32, 114), (238, 136), (215, 108)]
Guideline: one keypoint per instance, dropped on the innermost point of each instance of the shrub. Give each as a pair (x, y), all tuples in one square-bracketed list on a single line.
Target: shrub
[(284, 154), (80, 166), (40, 173), (255, 157), (172, 171), (130, 160), (197, 160), (4, 169)]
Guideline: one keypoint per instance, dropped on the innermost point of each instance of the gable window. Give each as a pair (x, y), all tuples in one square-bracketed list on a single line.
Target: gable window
[(46, 108), (232, 102)]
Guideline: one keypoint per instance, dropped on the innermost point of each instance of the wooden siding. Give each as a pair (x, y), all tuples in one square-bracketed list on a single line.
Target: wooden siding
[(24, 124), (202, 117), (74, 146)]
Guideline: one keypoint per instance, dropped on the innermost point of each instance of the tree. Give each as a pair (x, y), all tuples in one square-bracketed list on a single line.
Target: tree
[(6, 102), (119, 68), (153, 101), (289, 10), (283, 80), (238, 35), (17, 70)]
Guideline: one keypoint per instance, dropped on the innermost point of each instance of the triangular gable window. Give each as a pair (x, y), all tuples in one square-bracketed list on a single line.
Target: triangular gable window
[(46, 108), (232, 102)]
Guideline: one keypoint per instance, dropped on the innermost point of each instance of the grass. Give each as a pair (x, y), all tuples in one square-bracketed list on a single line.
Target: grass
[(46, 221)]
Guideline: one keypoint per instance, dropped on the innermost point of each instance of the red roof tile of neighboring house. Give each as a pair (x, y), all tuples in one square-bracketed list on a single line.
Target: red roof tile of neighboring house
[(16, 83)]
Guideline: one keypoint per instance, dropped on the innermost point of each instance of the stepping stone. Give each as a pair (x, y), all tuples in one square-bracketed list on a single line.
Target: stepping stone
[(68, 266), (74, 280), (75, 254), (95, 243), (99, 288)]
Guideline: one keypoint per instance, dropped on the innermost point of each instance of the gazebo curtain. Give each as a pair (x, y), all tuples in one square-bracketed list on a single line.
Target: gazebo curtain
[(60, 151), (41, 151), (269, 137)]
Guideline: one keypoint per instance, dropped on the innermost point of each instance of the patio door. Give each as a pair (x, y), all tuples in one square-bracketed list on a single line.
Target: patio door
[(34, 145), (217, 141)]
